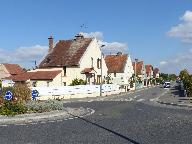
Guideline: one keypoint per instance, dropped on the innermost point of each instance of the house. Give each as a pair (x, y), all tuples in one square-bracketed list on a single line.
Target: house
[(140, 71), (7, 71), (76, 58), (120, 69), (39, 78), (156, 73), (149, 73)]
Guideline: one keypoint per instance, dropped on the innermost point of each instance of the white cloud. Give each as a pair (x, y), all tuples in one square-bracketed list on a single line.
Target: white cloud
[(178, 62), (187, 17), (184, 29), (163, 63), (110, 47), (24, 56), (97, 35), (114, 47)]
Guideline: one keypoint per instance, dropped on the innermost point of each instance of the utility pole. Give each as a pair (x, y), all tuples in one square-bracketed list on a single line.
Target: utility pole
[(136, 60), (101, 71)]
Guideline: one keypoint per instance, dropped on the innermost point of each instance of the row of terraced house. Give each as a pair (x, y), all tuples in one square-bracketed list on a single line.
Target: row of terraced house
[(81, 58)]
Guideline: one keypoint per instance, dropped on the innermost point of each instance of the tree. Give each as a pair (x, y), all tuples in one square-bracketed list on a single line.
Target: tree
[(187, 81)]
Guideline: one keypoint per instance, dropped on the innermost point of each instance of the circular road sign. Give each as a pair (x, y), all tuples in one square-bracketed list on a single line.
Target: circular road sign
[(34, 94), (8, 95)]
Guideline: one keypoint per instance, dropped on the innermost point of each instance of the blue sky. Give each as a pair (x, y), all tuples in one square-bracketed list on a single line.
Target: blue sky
[(156, 31)]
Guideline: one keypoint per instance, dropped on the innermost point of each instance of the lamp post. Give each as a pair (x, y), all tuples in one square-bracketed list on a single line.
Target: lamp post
[(101, 71), (136, 60)]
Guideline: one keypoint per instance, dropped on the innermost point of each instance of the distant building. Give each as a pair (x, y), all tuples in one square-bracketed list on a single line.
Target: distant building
[(149, 73), (7, 71), (120, 69), (39, 78), (156, 73), (139, 69)]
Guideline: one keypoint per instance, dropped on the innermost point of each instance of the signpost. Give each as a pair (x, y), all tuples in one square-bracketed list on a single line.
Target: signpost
[(34, 94), (8, 95)]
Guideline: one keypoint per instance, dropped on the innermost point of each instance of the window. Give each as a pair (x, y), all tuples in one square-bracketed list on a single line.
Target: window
[(114, 74), (34, 84), (91, 62), (47, 84), (98, 79), (64, 70), (64, 83), (98, 63)]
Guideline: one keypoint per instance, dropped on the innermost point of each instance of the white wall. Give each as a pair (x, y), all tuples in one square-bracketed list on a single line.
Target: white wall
[(80, 91)]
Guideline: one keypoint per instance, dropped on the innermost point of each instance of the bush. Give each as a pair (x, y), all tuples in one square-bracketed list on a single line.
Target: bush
[(21, 93), (78, 82), (43, 106), (10, 108)]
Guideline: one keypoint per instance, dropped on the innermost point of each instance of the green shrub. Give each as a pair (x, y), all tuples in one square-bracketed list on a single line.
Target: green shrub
[(78, 82), (43, 106), (10, 108), (21, 93)]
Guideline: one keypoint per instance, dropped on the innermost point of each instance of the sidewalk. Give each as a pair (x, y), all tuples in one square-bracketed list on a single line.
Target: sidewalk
[(175, 97)]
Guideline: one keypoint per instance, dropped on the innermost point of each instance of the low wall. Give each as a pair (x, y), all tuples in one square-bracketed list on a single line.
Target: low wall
[(80, 91)]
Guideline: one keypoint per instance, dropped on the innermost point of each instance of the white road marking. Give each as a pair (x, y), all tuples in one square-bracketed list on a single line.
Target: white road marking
[(139, 100)]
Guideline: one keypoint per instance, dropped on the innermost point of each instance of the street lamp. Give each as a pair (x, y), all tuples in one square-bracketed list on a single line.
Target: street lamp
[(136, 60), (101, 71)]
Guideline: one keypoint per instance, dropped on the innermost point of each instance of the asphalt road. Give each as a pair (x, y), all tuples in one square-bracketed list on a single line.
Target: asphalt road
[(134, 118)]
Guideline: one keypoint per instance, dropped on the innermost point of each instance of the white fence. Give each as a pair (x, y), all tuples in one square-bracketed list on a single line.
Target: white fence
[(80, 91)]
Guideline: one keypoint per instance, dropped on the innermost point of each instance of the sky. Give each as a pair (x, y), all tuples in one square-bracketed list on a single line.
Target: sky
[(159, 32)]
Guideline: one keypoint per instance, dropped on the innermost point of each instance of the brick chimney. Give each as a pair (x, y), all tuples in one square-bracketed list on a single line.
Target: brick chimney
[(50, 44)]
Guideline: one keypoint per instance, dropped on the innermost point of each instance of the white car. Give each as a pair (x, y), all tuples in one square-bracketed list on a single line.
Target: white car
[(167, 84)]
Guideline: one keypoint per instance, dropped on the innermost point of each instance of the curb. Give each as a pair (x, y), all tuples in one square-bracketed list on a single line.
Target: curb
[(53, 115), (174, 104)]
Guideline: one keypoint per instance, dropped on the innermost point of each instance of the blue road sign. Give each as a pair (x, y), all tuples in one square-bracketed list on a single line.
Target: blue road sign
[(34, 94), (8, 95)]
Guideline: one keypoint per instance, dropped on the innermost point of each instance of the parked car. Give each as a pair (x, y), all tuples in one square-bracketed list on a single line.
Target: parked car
[(167, 84)]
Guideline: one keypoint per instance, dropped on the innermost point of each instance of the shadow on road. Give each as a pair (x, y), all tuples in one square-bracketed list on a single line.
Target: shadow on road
[(102, 127)]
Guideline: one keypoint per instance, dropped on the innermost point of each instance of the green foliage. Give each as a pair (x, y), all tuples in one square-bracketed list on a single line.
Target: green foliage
[(187, 81), (159, 80), (21, 93), (0, 84), (78, 82), (167, 77), (10, 108), (43, 106), (108, 79)]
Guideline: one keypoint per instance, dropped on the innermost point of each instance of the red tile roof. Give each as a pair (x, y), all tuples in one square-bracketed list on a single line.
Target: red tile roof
[(13, 69), (66, 53), (139, 66), (116, 63), (39, 75), (87, 70)]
